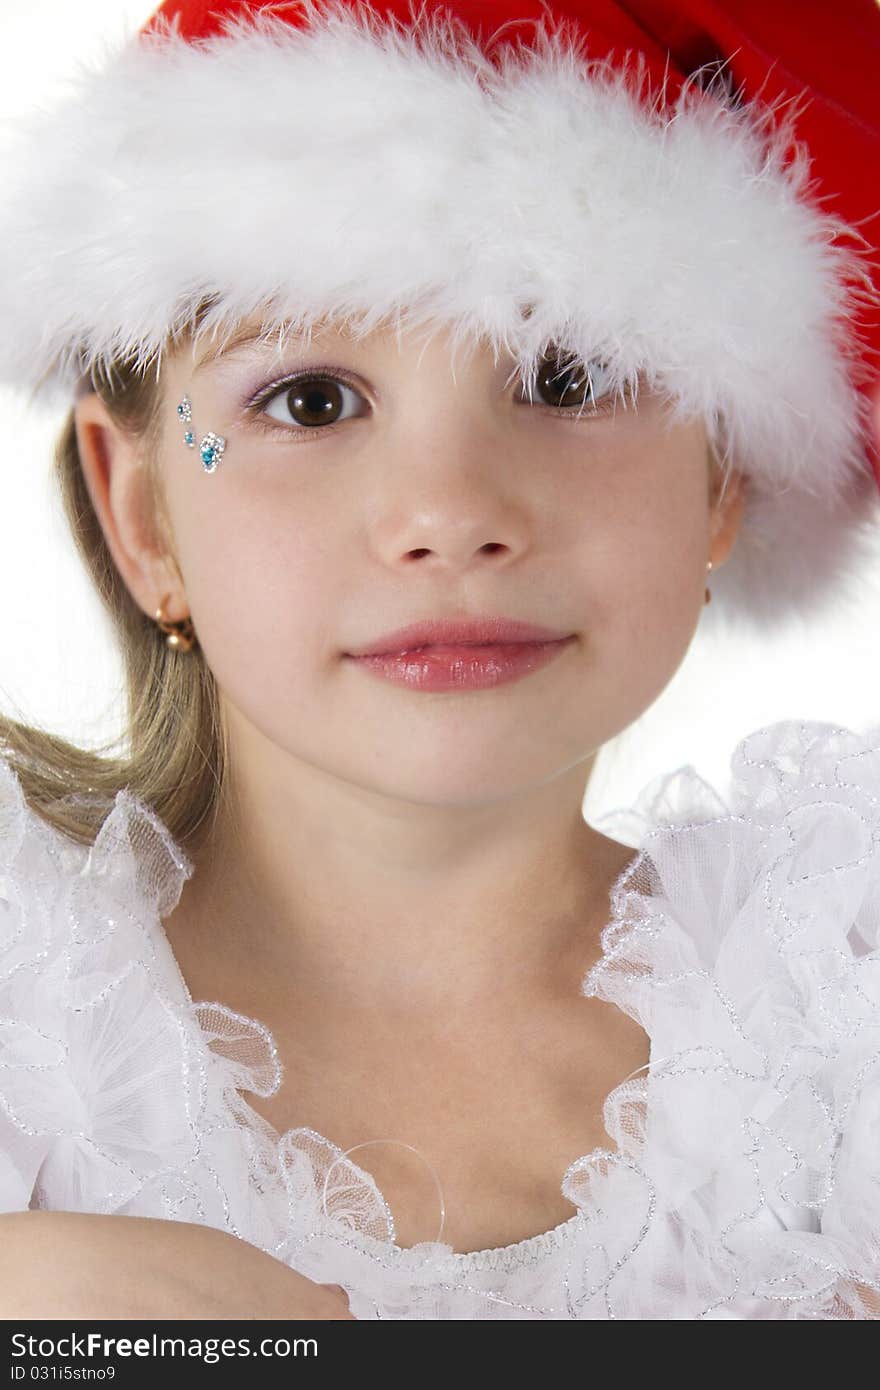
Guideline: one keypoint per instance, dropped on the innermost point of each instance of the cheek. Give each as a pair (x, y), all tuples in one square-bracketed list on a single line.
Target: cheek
[(258, 582), (643, 552)]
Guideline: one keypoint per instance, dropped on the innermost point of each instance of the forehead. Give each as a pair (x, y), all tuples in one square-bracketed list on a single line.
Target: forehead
[(211, 346), (255, 336)]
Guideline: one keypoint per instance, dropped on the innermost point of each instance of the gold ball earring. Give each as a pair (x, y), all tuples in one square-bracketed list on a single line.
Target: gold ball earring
[(180, 635), (708, 595)]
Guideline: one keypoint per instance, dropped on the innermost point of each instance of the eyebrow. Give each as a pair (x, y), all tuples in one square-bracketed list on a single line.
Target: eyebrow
[(241, 338)]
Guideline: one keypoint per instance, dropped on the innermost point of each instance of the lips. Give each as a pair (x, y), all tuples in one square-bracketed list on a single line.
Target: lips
[(444, 632), (462, 667)]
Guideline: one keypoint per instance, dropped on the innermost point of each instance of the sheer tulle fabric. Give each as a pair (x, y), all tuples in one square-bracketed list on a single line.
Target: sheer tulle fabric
[(745, 1178)]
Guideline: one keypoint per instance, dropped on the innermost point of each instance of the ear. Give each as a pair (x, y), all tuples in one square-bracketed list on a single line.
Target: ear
[(727, 501), (115, 473)]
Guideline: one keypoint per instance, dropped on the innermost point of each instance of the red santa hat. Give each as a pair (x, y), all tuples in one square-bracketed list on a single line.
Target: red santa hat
[(688, 192)]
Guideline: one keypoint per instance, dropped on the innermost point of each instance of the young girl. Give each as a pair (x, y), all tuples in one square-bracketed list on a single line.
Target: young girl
[(426, 364)]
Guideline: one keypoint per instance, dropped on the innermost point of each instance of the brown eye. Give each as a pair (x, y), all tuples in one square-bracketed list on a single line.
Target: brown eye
[(566, 382), (309, 401), (315, 400)]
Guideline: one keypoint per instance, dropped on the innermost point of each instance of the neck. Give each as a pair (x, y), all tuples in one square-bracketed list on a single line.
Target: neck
[(407, 910)]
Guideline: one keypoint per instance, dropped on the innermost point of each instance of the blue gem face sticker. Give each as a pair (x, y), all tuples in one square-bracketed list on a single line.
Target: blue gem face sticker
[(212, 446), (211, 450)]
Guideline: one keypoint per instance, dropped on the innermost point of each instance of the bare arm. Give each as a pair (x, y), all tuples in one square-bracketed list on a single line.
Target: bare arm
[(71, 1265)]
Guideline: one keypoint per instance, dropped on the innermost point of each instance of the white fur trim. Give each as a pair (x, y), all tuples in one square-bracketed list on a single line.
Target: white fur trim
[(354, 169)]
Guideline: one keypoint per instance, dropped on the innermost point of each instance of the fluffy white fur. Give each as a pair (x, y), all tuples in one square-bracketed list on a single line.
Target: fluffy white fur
[(396, 175)]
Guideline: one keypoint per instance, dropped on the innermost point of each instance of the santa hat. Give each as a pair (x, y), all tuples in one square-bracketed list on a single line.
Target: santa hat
[(688, 192)]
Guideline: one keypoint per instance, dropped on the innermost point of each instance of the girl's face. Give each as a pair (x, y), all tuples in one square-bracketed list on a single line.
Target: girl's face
[(435, 491)]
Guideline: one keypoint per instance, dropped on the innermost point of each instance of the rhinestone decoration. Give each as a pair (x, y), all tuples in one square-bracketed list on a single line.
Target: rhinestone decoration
[(211, 450), (211, 447)]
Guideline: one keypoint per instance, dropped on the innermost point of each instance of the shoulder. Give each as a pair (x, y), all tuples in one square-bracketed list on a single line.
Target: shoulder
[(36, 870), (768, 887), (799, 817), (748, 940), (79, 986), (132, 849)]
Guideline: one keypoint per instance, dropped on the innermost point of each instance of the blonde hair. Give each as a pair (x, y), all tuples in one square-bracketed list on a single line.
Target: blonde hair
[(177, 752)]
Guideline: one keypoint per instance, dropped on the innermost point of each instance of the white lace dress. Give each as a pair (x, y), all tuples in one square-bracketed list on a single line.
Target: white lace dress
[(745, 1179)]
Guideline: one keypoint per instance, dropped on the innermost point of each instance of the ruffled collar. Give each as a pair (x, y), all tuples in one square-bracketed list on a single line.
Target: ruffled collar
[(243, 1054), (743, 939)]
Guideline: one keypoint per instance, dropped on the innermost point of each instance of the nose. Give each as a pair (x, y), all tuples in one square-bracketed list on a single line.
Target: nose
[(456, 546), (453, 501)]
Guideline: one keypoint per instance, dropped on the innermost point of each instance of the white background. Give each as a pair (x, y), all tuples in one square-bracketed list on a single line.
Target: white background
[(58, 666)]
